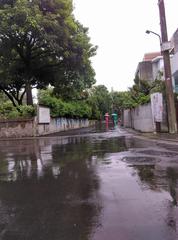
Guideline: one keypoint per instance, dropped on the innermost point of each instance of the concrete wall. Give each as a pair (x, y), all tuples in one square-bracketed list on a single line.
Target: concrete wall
[(31, 128), (145, 71), (61, 124), (175, 71), (158, 66), (140, 119), (127, 118), (174, 64), (175, 41)]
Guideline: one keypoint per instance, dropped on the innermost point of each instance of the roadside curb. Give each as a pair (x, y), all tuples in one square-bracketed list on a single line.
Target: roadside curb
[(155, 136)]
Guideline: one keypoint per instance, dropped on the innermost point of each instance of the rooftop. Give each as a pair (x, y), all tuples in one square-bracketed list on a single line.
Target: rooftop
[(151, 56)]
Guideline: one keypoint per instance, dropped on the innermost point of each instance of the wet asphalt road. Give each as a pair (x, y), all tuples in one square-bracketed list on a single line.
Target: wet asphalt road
[(91, 185)]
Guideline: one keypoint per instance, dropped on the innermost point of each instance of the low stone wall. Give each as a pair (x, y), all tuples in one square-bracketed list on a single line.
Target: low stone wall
[(31, 127), (17, 128)]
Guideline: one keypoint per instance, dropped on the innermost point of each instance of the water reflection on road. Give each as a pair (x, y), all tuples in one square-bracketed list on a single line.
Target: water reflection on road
[(93, 185)]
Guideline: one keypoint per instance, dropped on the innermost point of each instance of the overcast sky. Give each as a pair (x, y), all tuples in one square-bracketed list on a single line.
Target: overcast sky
[(118, 28)]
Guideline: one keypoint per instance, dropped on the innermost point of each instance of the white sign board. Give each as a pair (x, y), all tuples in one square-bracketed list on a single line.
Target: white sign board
[(43, 114), (165, 46), (157, 106)]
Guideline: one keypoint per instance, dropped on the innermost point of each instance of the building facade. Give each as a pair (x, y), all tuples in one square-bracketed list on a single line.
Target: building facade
[(175, 60), (151, 68), (152, 65)]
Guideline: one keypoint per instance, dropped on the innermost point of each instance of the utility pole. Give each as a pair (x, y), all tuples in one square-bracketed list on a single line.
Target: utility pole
[(171, 112)]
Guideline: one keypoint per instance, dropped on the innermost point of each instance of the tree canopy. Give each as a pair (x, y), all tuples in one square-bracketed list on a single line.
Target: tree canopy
[(100, 101), (41, 43)]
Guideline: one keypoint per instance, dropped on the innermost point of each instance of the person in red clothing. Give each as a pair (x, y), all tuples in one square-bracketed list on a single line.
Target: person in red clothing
[(107, 120)]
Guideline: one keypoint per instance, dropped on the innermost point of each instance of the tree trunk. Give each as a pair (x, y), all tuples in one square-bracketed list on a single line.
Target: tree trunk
[(19, 102), (29, 94)]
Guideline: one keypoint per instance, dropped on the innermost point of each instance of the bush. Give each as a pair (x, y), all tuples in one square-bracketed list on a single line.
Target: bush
[(27, 111), (8, 111), (59, 108), (143, 99)]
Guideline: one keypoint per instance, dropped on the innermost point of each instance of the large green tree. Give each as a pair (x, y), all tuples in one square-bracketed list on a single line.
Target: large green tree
[(100, 101), (122, 100), (41, 43)]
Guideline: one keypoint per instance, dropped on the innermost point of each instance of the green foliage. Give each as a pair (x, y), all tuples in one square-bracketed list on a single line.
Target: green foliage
[(59, 108), (138, 94), (143, 99), (158, 86), (41, 43), (56, 105), (122, 100), (100, 101), (8, 111), (6, 108), (3, 97), (141, 90), (27, 111)]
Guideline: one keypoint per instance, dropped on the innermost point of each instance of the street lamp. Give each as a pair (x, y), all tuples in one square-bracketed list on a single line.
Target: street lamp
[(149, 31), (158, 124)]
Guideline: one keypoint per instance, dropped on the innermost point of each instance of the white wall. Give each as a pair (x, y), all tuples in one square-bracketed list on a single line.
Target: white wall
[(127, 118), (174, 64), (157, 66), (140, 119), (174, 68), (61, 124)]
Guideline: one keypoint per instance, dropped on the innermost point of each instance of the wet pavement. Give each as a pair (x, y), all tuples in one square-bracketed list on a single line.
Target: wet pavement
[(90, 185)]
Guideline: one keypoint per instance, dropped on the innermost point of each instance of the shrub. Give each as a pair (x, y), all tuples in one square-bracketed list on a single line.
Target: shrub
[(8, 111), (59, 108), (27, 111)]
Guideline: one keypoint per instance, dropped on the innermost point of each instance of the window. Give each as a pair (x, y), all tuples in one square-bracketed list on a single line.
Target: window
[(176, 84)]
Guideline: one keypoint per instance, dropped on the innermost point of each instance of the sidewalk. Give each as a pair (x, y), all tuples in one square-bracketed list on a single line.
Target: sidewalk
[(156, 136), (162, 136)]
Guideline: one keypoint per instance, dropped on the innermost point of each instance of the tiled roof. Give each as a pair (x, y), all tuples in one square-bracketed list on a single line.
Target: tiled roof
[(151, 56)]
